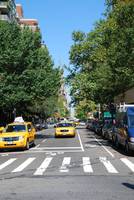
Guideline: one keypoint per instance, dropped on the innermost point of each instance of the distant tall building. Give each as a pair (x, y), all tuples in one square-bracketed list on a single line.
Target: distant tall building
[(7, 10), (31, 23)]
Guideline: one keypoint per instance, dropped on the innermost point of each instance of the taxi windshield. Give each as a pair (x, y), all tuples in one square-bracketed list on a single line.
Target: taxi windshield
[(65, 125), (15, 128)]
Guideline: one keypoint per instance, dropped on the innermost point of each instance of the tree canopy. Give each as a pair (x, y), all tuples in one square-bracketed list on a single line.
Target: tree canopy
[(102, 60), (29, 81)]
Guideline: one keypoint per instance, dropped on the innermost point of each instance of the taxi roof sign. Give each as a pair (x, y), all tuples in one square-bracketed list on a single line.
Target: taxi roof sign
[(19, 119)]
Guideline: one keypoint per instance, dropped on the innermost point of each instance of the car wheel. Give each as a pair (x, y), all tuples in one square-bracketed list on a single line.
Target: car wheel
[(127, 150), (113, 140), (33, 144), (116, 142), (103, 134), (27, 145)]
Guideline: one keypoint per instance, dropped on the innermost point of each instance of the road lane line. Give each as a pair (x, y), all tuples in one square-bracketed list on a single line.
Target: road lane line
[(104, 147), (82, 148), (36, 147), (43, 140), (65, 163), (110, 168), (24, 165), (128, 163), (87, 165), (2, 166), (43, 166)]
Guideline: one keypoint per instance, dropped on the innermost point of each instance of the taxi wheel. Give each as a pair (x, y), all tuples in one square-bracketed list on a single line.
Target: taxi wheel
[(27, 145), (33, 144)]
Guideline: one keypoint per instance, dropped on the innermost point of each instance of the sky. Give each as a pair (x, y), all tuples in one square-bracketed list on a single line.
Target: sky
[(59, 18)]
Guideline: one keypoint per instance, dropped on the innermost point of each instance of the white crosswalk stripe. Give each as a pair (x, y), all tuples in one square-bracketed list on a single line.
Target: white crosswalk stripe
[(8, 162), (87, 165), (65, 163), (110, 168), (128, 163), (42, 168), (24, 165)]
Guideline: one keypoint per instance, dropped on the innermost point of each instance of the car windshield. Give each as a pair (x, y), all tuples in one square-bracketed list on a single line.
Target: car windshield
[(65, 125), (131, 120), (15, 128)]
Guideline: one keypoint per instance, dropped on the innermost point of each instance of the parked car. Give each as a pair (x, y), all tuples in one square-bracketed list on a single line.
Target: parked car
[(44, 125), (38, 126), (93, 125), (124, 130), (98, 126), (89, 124), (107, 128)]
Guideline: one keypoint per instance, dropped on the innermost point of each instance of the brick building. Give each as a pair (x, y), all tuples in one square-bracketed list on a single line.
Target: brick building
[(31, 23)]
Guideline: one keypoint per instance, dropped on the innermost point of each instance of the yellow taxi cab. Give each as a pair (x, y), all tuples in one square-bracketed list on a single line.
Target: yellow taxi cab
[(17, 135), (65, 129), (76, 123)]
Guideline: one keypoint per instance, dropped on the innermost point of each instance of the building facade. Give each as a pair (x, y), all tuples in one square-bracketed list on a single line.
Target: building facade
[(7, 10), (126, 97), (31, 23)]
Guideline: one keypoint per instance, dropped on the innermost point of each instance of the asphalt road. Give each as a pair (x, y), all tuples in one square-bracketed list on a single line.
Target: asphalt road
[(81, 168)]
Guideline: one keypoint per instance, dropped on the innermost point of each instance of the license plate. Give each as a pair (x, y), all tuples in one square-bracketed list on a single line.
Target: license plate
[(10, 142)]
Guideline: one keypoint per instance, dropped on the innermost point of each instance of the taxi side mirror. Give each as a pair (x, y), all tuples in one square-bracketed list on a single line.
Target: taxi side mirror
[(1, 129)]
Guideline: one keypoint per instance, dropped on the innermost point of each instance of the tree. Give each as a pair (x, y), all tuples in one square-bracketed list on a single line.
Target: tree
[(102, 60), (29, 81)]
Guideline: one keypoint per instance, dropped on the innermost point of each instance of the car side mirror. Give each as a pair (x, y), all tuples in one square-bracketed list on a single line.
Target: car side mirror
[(1, 129)]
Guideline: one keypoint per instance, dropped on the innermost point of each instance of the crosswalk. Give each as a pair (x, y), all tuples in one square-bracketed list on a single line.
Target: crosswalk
[(65, 165)]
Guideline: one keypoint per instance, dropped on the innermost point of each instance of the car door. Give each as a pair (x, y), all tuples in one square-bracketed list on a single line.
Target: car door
[(29, 132), (33, 132)]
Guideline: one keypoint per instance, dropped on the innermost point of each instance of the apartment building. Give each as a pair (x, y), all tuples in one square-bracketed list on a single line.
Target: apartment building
[(7, 10), (31, 23)]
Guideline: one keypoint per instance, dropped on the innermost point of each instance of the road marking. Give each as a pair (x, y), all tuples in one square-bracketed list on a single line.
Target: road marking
[(110, 168), (82, 148), (104, 147), (43, 140), (2, 166), (43, 166), (91, 145), (65, 163), (59, 148), (87, 165), (35, 147), (24, 165), (43, 151), (128, 163)]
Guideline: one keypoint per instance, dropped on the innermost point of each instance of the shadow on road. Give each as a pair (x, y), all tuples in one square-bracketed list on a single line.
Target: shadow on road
[(91, 135), (42, 136), (129, 185)]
